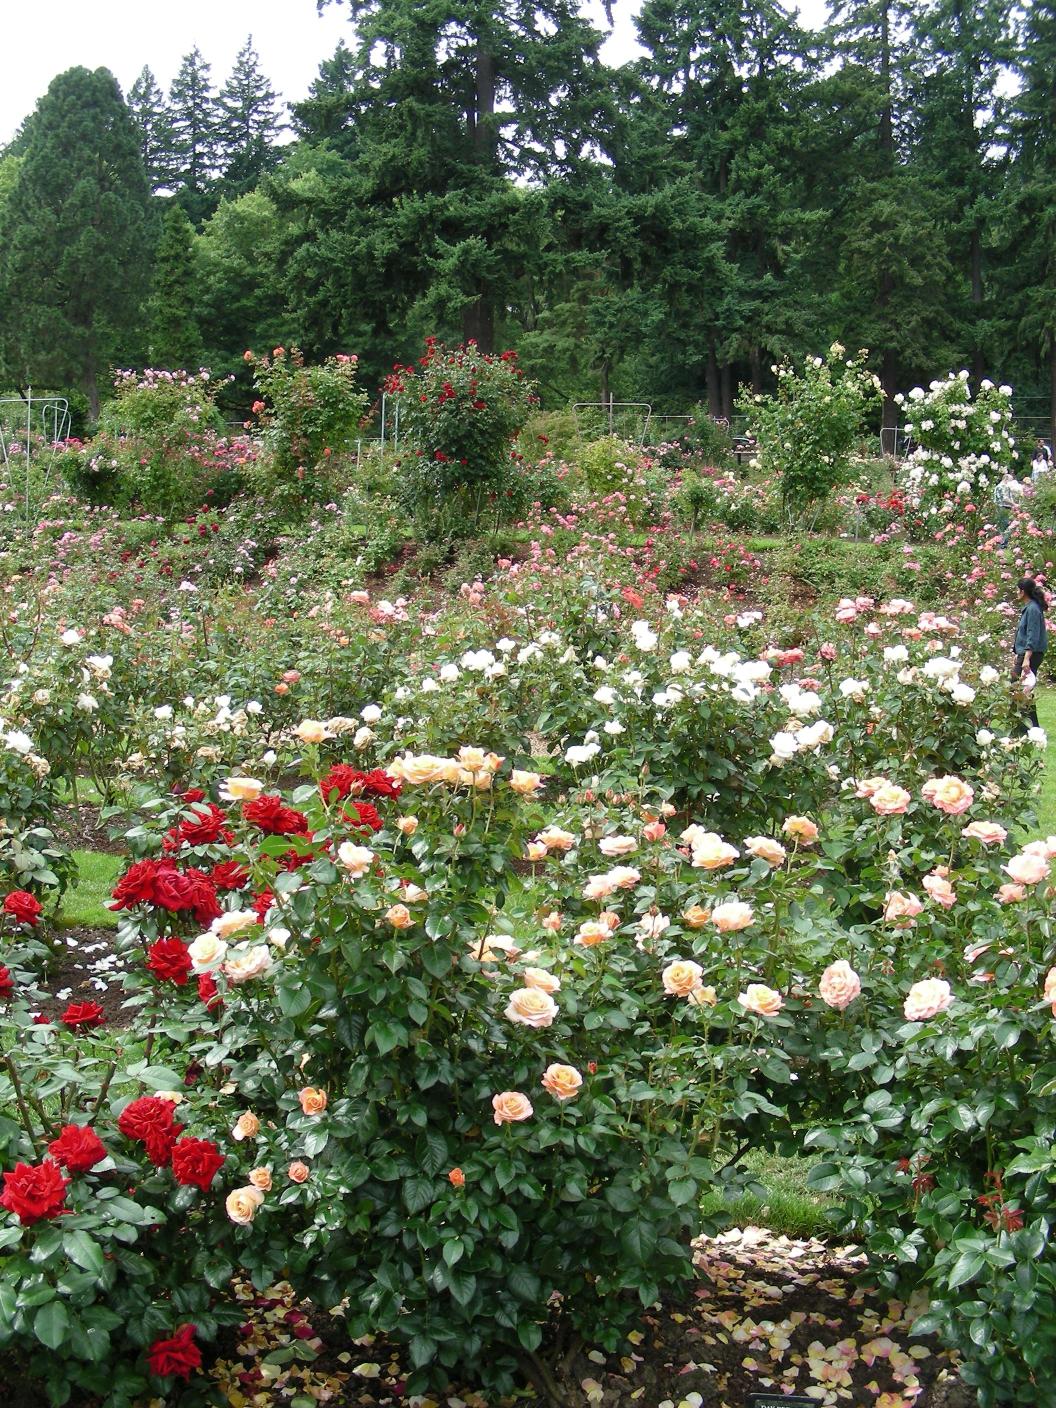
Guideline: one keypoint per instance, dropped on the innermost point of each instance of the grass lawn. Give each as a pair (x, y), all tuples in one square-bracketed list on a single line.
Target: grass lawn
[(1047, 795), (84, 903)]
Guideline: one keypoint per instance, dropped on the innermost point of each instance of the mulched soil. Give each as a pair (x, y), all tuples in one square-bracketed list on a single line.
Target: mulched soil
[(86, 969), (769, 1315), (79, 828)]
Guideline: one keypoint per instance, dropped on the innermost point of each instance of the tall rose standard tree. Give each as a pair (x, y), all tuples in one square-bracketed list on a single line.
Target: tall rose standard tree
[(75, 266)]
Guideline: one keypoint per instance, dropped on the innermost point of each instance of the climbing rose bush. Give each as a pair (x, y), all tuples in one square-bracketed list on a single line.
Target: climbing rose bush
[(961, 446)]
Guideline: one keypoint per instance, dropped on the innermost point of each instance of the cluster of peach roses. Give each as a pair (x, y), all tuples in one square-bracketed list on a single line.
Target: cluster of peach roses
[(241, 1204), (471, 767), (949, 794)]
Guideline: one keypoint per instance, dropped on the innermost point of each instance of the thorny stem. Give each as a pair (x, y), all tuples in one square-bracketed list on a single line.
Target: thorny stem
[(20, 1099)]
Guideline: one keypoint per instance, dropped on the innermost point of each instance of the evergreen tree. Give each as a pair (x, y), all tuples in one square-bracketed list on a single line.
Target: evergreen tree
[(247, 124), (324, 115), (146, 103), (75, 260), (175, 340), (195, 139)]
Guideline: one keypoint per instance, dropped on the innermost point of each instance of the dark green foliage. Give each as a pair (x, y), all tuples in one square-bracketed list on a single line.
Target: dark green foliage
[(75, 257), (247, 123), (175, 340)]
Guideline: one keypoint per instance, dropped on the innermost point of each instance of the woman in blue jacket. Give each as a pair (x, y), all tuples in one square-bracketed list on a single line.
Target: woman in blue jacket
[(1032, 637)]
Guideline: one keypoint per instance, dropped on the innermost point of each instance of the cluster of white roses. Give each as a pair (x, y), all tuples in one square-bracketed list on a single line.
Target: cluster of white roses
[(960, 446)]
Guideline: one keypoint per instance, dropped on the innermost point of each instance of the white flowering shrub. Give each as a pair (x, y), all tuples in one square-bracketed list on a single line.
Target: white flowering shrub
[(962, 445)]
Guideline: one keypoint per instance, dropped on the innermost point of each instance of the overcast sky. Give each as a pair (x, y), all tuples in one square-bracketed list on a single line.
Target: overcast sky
[(43, 37)]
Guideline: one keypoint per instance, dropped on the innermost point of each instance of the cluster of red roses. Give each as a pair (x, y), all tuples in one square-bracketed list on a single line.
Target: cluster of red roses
[(162, 883)]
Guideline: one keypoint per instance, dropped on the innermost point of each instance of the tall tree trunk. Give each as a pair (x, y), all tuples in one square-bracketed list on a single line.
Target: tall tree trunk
[(478, 318), (755, 357), (711, 381), (976, 258), (91, 391)]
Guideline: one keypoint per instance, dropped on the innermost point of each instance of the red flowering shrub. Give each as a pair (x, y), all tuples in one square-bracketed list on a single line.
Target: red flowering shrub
[(169, 961), (177, 1357), (271, 815), (195, 1162), (78, 1148), (23, 907), (83, 1014), (34, 1192)]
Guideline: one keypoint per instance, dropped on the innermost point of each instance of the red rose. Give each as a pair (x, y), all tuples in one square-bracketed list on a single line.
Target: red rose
[(229, 875), (340, 781), (136, 886), (78, 1148), (7, 983), (378, 783), (204, 828), (195, 1162), (151, 1122), (271, 815), (262, 903), (204, 904), (169, 961), (83, 1014), (175, 1357), (34, 1192), (362, 816), (171, 888), (209, 993), (23, 907), (192, 794)]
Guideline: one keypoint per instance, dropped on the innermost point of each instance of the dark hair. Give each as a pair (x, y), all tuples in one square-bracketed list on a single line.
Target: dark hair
[(1030, 588)]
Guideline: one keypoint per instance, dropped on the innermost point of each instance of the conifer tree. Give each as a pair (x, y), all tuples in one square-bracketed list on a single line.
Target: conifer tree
[(247, 123), (175, 339), (146, 103), (75, 258), (195, 137)]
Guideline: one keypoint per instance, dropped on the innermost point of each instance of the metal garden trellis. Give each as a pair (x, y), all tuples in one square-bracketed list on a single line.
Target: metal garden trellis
[(45, 416)]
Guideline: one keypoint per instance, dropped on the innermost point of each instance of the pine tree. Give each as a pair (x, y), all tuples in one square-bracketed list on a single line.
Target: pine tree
[(193, 118), (175, 339), (75, 259), (248, 123), (324, 115), (146, 103)]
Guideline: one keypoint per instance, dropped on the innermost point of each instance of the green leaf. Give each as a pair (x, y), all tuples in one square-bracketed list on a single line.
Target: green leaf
[(967, 1266), (530, 1336), (82, 1250), (417, 1193), (295, 1000), (51, 1323)]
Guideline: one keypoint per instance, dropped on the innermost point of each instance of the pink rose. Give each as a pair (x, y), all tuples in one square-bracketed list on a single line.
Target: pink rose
[(531, 1007), (951, 795), (563, 1082), (940, 890), (900, 909), (926, 999), (988, 833), (839, 985), (1011, 894), (761, 1000), (890, 800), (1026, 869)]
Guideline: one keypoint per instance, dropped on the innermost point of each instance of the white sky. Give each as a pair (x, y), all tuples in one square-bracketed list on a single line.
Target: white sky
[(43, 37)]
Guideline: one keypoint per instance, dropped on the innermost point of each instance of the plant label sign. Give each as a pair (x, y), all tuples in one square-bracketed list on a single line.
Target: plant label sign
[(780, 1400)]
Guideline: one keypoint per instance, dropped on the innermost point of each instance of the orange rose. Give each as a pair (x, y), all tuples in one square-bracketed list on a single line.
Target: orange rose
[(247, 1126), (241, 1205), (298, 1172), (456, 1178), (801, 829), (696, 916), (399, 916), (563, 1082), (313, 1101), (407, 825)]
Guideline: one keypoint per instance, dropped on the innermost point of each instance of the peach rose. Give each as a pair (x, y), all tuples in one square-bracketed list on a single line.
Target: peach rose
[(682, 977), (531, 1007), (900, 909), (472, 759), (511, 1107), (298, 1172), (988, 833), (624, 877), (703, 997), (563, 1082), (413, 893), (599, 887), (241, 1204), (407, 825), (260, 1179), (951, 795), (732, 915), (535, 851), (1027, 869), (766, 848), (399, 916), (839, 985), (311, 731), (554, 839), (761, 1000), (250, 963), (869, 785), (241, 789), (654, 830), (420, 770), (613, 846), (890, 800), (592, 932), (541, 979), (695, 917), (313, 1100), (711, 852), (1011, 894), (233, 922), (927, 998), (801, 829), (456, 1178), (357, 860), (552, 922), (940, 890), (525, 784), (1050, 989), (247, 1126)]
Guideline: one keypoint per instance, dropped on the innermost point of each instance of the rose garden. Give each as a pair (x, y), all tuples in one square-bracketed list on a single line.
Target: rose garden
[(441, 937)]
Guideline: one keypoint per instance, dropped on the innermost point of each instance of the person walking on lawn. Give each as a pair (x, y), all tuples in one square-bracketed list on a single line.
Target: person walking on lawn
[(1032, 640)]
